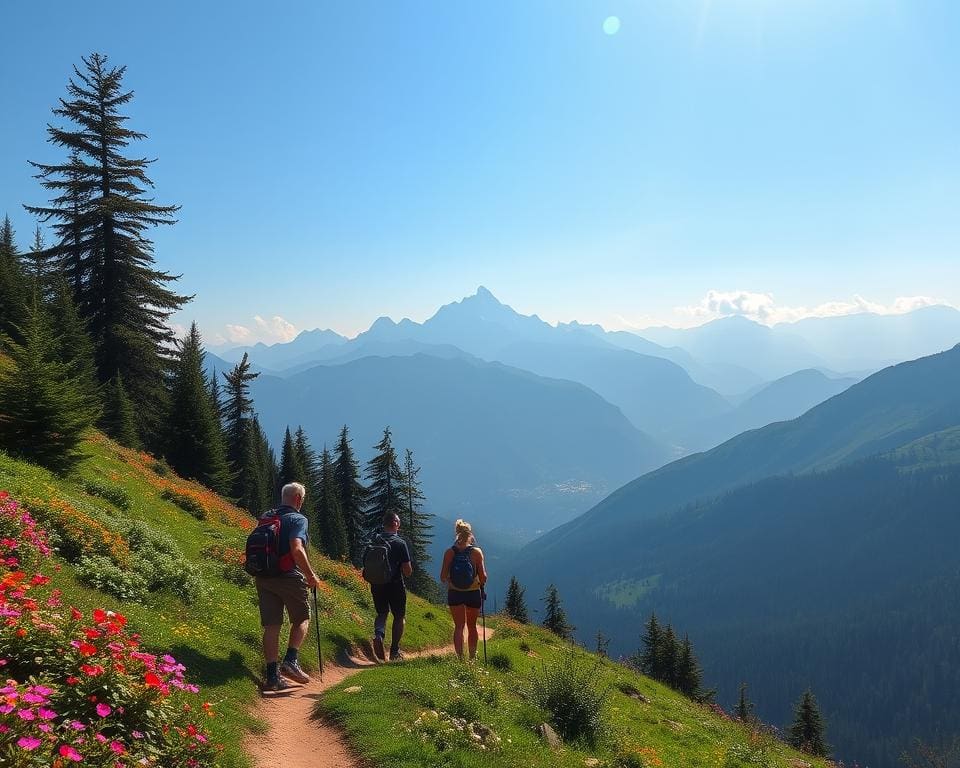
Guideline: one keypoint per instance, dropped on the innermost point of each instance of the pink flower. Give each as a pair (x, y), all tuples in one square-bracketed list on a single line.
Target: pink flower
[(103, 709), (70, 753), (28, 742), (26, 714), (46, 714), (117, 747)]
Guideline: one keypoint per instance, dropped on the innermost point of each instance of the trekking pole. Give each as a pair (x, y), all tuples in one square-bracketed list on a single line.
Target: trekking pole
[(483, 621), (316, 614)]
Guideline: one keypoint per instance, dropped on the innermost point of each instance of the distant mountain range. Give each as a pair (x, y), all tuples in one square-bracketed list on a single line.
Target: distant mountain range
[(496, 443), (784, 551)]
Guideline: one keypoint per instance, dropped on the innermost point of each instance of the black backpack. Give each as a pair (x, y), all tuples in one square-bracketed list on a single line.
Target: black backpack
[(263, 548), (377, 568), (462, 572)]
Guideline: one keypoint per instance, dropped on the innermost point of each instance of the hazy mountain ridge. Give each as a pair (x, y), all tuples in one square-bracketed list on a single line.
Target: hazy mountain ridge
[(485, 433)]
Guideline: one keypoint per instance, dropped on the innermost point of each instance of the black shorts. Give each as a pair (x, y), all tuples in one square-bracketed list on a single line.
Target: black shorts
[(390, 597), (472, 598)]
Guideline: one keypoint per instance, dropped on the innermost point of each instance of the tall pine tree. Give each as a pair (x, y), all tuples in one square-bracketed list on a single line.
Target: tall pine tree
[(102, 207), (194, 443), (12, 283), (555, 618), (808, 731), (238, 417), (416, 529), (329, 516), (650, 658), (118, 419), (307, 458), (291, 468), (44, 410), (76, 348), (515, 606), (258, 474), (689, 673), (384, 484), (351, 494)]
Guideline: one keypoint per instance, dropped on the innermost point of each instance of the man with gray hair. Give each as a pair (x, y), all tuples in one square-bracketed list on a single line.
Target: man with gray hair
[(288, 590)]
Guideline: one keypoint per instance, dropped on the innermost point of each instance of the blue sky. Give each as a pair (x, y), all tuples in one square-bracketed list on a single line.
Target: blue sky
[(339, 161)]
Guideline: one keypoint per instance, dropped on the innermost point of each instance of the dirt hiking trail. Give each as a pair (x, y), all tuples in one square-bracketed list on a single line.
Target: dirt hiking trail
[(294, 738)]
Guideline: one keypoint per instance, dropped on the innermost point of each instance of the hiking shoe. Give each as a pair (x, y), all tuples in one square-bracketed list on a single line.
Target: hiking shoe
[(378, 649), (275, 684), (395, 655), (294, 671)]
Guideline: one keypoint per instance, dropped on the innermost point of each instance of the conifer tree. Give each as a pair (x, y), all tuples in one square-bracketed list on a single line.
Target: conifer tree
[(603, 644), (307, 458), (237, 417), (194, 443), (118, 419), (744, 708), (38, 266), (329, 516), (258, 473), (515, 607), (351, 494), (76, 347), (12, 289), (291, 469), (416, 528), (43, 408), (808, 732), (670, 658), (555, 618), (384, 484), (650, 658), (102, 200), (689, 673)]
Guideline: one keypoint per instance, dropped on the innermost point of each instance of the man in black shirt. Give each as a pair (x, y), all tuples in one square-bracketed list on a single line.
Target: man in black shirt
[(392, 596)]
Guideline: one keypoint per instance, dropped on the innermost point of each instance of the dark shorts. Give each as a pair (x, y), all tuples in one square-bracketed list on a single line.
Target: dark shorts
[(472, 598), (390, 597), (279, 592)]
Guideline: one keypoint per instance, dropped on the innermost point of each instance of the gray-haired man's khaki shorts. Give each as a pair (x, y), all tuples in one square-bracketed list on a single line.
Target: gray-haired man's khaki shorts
[(282, 591)]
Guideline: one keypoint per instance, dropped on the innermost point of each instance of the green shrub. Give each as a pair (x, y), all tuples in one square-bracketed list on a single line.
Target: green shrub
[(501, 661), (161, 468), (567, 688), (186, 503), (112, 493), (103, 574), (525, 646), (162, 564)]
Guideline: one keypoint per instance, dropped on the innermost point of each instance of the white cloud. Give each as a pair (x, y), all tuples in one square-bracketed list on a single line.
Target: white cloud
[(238, 333), (276, 328), (763, 307)]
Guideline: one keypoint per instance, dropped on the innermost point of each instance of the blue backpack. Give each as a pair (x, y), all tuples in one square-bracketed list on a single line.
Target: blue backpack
[(462, 572)]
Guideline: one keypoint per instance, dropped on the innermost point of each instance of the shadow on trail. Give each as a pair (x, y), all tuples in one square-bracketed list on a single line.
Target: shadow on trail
[(207, 670)]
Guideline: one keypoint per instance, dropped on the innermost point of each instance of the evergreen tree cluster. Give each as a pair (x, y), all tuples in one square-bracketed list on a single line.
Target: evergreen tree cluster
[(670, 660)]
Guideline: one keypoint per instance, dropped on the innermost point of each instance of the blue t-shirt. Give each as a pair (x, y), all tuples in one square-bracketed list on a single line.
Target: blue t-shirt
[(293, 525)]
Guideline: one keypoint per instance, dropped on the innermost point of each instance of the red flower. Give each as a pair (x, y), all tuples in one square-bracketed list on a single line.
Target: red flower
[(75, 614), (87, 650), (152, 681), (99, 615)]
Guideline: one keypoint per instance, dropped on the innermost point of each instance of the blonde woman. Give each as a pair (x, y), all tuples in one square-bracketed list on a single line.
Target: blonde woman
[(464, 574)]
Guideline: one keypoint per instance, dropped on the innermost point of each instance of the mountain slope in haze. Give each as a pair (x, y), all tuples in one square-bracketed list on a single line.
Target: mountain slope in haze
[(738, 341), (656, 394), (308, 346), (495, 442), (780, 400), (869, 340), (885, 411), (844, 580)]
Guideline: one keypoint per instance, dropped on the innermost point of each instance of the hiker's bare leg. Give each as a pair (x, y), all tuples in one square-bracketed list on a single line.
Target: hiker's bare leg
[(472, 636), (459, 613), (298, 633), (271, 643)]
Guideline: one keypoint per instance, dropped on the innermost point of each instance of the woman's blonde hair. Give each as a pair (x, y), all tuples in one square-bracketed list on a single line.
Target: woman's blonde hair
[(464, 531)]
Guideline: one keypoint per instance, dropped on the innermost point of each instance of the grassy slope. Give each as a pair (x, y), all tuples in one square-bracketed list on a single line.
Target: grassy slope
[(665, 730), (218, 636)]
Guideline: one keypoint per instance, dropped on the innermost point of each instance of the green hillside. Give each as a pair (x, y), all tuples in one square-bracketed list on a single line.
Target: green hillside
[(437, 712), (122, 517), (165, 552)]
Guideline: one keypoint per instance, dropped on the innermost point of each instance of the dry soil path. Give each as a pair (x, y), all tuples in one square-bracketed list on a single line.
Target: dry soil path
[(294, 737)]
